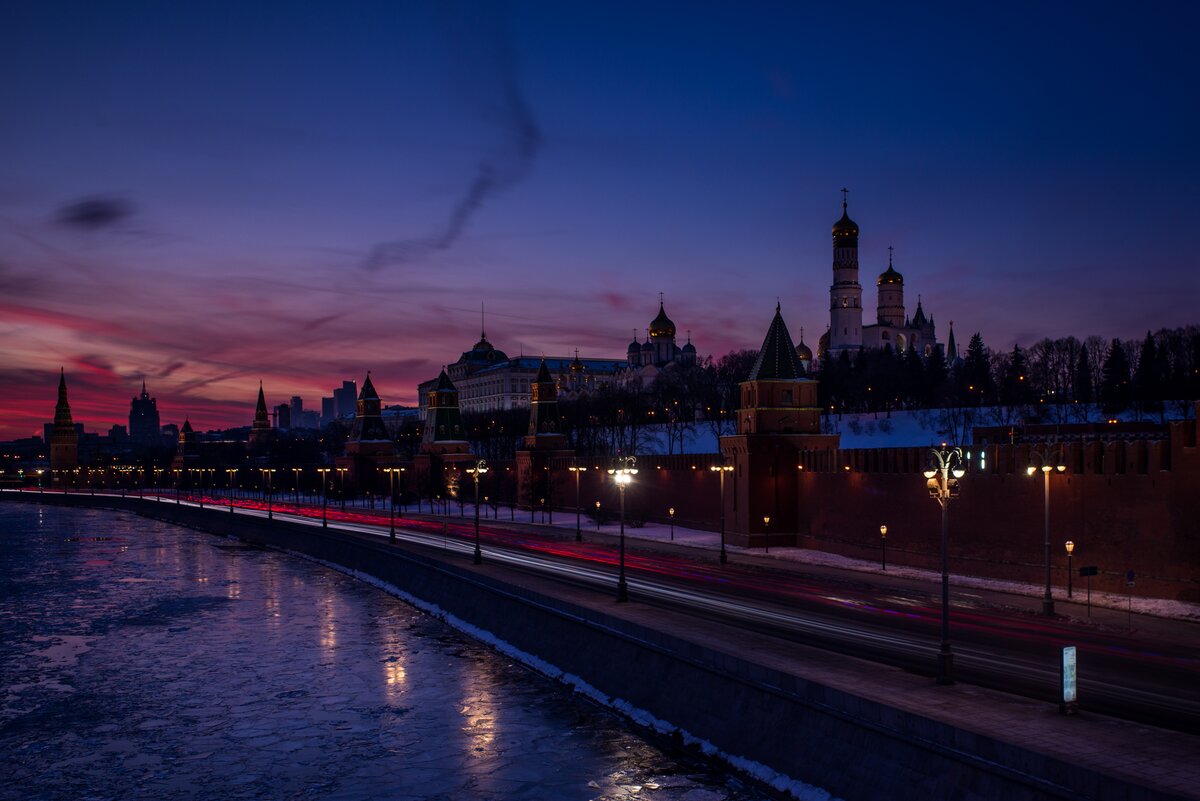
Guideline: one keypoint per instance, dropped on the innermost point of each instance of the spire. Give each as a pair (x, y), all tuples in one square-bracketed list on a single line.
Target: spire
[(951, 347), (777, 360), (261, 420), (144, 393), (890, 249), (845, 192), (482, 327), (62, 410)]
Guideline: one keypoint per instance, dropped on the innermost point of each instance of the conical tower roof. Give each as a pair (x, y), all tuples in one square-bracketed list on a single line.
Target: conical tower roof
[(777, 360), (368, 390), (444, 383), (62, 409), (543, 374)]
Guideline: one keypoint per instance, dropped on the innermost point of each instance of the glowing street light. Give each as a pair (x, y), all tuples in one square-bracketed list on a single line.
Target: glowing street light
[(1046, 462), (267, 489), (671, 514), (341, 471), (721, 470), (883, 546), (1070, 550), (392, 471), (578, 470), (324, 496), (475, 472), (946, 467), (622, 475), (230, 472), (767, 533)]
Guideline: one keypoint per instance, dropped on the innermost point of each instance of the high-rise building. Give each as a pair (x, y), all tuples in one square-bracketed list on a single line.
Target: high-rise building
[(328, 410), (143, 419), (64, 440), (345, 399), (283, 416), (296, 410)]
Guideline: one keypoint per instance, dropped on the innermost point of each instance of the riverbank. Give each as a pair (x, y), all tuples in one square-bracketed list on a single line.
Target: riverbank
[(836, 722)]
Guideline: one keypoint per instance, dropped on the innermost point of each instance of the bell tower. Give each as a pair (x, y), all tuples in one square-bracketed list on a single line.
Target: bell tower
[(64, 442), (845, 294)]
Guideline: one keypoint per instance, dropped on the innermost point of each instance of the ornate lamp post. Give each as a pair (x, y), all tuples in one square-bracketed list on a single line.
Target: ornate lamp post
[(578, 470), (341, 471), (324, 496), (230, 472), (883, 546), (721, 470), (392, 471), (1046, 462), (597, 516), (946, 467), (296, 483), (671, 514), (475, 472), (622, 474), (766, 533), (1070, 550)]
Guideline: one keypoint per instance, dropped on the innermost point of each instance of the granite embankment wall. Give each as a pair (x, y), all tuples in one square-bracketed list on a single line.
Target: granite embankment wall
[(853, 747)]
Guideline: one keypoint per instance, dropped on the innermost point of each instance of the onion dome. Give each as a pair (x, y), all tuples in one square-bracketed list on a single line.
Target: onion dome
[(803, 352), (845, 230), (576, 364), (890, 276), (689, 347), (647, 346), (634, 346), (662, 326)]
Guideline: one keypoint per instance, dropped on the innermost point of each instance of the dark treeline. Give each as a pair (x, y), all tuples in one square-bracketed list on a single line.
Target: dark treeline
[(1054, 380)]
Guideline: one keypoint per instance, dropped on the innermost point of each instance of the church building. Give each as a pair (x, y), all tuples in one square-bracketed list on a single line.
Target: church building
[(892, 326)]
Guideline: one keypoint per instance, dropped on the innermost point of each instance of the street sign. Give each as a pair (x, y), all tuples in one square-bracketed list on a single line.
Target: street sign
[(1070, 698), (1090, 570)]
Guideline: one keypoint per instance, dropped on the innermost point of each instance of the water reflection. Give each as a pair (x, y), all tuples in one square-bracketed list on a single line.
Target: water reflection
[(186, 670)]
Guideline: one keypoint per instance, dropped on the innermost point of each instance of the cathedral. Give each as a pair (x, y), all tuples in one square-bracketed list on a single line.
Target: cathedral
[(647, 358), (892, 325)]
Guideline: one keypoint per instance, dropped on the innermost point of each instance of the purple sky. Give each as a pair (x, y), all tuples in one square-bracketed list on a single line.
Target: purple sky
[(209, 194)]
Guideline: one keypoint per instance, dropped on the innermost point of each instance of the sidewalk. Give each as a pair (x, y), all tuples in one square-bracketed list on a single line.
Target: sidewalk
[(564, 524)]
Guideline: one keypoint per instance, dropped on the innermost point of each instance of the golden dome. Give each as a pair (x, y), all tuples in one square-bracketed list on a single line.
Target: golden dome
[(662, 326)]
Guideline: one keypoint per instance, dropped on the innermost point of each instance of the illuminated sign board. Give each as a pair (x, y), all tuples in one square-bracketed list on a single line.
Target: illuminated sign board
[(1070, 697)]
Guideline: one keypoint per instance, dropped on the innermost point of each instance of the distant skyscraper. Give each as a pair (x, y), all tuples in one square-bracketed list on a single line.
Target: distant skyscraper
[(345, 399), (283, 416), (328, 410), (143, 419), (296, 410), (64, 441)]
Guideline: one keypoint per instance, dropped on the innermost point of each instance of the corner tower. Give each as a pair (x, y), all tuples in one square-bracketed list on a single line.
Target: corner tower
[(64, 442), (845, 295)]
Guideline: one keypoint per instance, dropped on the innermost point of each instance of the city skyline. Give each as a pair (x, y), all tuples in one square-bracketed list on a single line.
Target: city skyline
[(206, 200)]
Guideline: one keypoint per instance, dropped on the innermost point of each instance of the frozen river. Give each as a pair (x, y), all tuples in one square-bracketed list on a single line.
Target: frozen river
[(143, 660)]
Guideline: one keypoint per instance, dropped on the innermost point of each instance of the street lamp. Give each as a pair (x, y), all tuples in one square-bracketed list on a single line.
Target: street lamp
[(392, 471), (296, 485), (671, 514), (1070, 550), (1044, 463), (767, 533), (721, 470), (578, 470), (883, 546), (230, 472), (475, 472), (946, 467), (267, 471), (622, 474), (597, 516), (324, 496), (341, 471)]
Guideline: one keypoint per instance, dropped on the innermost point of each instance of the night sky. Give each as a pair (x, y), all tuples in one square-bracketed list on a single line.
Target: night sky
[(210, 194)]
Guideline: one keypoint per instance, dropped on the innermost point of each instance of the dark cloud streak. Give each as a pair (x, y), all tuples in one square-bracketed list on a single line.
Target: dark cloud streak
[(94, 213), (504, 168)]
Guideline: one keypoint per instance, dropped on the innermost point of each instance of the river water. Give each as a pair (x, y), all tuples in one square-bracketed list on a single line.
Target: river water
[(143, 660)]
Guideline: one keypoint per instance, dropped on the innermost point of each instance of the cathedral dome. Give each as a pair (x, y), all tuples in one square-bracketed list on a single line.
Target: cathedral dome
[(803, 352), (689, 347), (634, 347), (890, 276), (845, 228), (662, 326), (648, 346)]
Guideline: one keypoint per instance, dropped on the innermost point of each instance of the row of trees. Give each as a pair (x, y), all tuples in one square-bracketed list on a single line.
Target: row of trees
[(1056, 380)]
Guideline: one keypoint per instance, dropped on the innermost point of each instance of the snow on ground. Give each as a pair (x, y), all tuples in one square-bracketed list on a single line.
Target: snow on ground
[(710, 540), (900, 429)]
